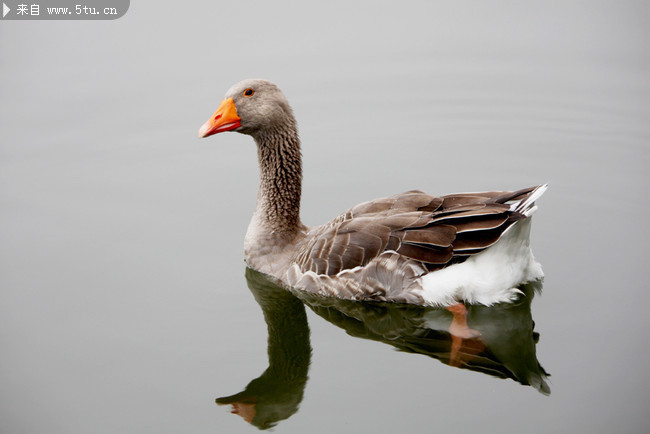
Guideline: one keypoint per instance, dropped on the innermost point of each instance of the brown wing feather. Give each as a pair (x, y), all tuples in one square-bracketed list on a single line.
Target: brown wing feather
[(481, 223), (456, 200), (507, 196), (433, 205), (477, 239), (438, 236), (335, 265), (413, 200), (424, 254), (372, 207), (432, 231), (470, 211)]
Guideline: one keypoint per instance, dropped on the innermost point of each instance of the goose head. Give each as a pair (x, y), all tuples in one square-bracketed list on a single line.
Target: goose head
[(250, 107)]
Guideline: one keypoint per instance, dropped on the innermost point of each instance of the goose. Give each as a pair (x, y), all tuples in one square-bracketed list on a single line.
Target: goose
[(411, 247)]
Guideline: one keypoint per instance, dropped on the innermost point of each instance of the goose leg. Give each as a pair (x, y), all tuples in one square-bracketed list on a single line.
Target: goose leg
[(246, 410), (459, 331)]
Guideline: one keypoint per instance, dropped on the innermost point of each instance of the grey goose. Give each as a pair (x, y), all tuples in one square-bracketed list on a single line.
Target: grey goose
[(408, 248)]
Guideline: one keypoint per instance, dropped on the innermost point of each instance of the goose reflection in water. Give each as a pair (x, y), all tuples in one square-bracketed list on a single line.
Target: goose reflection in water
[(497, 340), (276, 394)]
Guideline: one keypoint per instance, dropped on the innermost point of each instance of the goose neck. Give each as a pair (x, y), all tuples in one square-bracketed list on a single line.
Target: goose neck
[(278, 200)]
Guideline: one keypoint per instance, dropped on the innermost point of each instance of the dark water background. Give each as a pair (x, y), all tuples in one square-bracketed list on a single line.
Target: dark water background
[(124, 305)]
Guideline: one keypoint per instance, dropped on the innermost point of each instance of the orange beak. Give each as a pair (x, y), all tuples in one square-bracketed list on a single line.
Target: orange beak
[(224, 119)]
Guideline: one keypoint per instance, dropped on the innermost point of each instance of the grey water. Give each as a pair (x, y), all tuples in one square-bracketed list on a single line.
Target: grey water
[(125, 304)]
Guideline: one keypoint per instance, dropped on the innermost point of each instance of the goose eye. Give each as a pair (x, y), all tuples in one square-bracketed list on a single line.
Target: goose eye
[(249, 92)]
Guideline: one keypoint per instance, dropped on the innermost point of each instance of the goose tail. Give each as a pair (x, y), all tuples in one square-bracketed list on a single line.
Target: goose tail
[(526, 206)]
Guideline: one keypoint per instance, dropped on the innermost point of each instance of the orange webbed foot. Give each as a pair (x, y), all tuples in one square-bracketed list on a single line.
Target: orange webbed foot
[(460, 332)]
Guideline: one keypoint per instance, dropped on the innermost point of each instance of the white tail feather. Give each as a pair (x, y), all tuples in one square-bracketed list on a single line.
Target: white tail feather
[(527, 206), (488, 277)]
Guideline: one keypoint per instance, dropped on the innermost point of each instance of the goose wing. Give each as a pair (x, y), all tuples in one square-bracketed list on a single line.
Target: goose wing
[(434, 231)]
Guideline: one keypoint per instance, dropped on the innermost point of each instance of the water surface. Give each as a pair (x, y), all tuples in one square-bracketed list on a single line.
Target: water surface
[(124, 305)]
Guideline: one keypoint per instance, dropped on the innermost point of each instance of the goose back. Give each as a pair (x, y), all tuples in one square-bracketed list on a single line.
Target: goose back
[(432, 231)]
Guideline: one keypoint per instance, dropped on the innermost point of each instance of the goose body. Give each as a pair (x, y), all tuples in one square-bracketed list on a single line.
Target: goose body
[(410, 248)]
